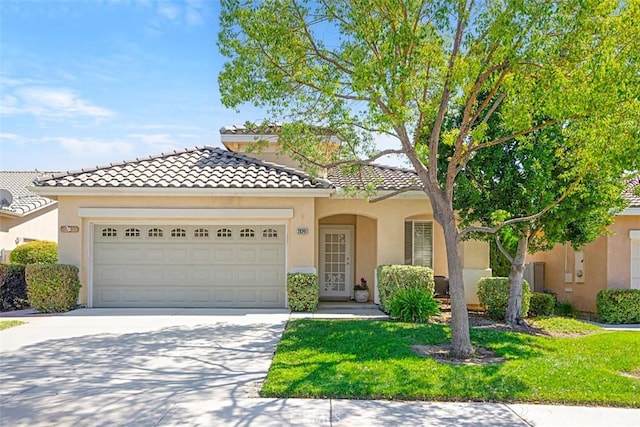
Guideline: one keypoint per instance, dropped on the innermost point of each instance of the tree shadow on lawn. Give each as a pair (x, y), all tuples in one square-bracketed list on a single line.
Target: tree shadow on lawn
[(373, 359)]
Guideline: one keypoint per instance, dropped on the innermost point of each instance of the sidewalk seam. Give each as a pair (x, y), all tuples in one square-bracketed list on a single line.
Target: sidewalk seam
[(330, 412), (517, 415)]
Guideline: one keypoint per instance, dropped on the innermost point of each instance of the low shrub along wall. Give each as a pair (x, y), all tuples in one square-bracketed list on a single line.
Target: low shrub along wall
[(52, 288), (394, 277), (618, 305), (13, 287), (36, 252), (493, 293), (541, 304), (302, 291)]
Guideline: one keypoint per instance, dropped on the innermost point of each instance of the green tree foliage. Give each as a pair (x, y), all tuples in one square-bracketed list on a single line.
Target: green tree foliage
[(403, 67)]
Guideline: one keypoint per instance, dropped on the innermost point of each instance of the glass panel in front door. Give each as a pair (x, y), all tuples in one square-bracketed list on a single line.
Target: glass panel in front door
[(336, 262)]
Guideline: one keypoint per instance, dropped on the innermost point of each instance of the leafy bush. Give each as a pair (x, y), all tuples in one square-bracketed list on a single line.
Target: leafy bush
[(302, 291), (391, 278), (52, 288), (618, 305), (541, 304), (13, 287), (493, 293), (34, 253), (566, 309), (413, 304)]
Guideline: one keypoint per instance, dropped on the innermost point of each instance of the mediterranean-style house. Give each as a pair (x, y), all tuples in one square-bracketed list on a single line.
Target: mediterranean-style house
[(612, 261), (212, 227), (24, 215)]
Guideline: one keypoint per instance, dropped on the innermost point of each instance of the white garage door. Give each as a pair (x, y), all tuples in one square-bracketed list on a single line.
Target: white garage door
[(189, 266)]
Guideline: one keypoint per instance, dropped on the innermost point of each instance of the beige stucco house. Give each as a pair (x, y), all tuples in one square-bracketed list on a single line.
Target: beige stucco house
[(209, 227), (24, 215), (612, 261)]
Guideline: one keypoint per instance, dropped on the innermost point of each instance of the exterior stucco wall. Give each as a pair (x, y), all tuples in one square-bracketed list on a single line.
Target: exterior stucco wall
[(389, 216), (74, 248), (607, 264), (39, 225)]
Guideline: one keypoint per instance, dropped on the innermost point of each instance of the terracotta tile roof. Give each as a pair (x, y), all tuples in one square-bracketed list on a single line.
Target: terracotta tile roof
[(199, 167), (632, 192), (22, 201), (386, 177)]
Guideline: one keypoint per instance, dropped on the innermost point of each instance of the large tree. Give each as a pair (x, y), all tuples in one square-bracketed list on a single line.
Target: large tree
[(399, 67), (567, 198)]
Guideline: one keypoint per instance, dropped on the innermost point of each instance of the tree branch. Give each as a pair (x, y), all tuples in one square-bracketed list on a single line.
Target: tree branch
[(503, 250), (496, 228), (395, 193)]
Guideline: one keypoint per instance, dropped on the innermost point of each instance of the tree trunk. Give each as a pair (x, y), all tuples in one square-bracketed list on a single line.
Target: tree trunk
[(460, 340), (514, 307)]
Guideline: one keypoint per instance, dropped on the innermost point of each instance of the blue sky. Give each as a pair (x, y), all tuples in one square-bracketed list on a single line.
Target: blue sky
[(86, 83)]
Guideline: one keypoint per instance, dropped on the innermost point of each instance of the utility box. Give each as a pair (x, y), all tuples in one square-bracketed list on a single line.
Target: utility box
[(534, 274)]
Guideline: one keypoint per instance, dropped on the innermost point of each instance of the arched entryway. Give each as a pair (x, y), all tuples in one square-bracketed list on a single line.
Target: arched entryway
[(346, 253)]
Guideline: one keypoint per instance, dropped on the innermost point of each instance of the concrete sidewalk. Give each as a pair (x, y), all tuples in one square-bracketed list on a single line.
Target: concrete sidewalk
[(178, 367)]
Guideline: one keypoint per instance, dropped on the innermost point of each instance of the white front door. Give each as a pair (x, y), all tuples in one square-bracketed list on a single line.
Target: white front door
[(336, 272)]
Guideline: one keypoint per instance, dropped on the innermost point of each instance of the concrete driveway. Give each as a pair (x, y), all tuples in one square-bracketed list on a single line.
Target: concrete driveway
[(204, 368), (135, 367)]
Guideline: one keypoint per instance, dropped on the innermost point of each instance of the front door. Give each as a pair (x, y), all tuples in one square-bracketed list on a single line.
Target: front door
[(336, 272)]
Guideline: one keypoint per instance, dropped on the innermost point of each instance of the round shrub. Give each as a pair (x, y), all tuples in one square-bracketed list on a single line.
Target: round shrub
[(36, 252), (52, 288), (493, 293), (618, 305), (541, 304), (13, 287), (391, 278), (302, 291), (413, 304)]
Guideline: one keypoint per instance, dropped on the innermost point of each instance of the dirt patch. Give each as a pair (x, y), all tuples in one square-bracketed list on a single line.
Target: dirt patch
[(441, 353), (635, 374), (482, 322)]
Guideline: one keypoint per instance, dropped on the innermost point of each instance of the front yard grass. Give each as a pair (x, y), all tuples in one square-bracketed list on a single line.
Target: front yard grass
[(361, 359), (6, 324)]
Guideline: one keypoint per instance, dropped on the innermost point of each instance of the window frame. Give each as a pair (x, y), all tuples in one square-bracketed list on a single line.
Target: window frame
[(413, 222)]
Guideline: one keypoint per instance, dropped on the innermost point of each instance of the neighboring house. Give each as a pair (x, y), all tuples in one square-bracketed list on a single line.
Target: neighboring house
[(207, 227), (24, 215), (612, 261)]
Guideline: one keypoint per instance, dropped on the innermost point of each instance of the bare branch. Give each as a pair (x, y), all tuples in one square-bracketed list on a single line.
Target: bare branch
[(395, 193), (512, 136), (503, 250), (496, 228)]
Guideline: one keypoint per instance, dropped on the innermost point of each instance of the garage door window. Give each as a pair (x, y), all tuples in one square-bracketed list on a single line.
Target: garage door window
[(178, 232), (132, 232), (270, 233), (201, 232), (224, 232), (155, 232), (109, 232), (247, 233)]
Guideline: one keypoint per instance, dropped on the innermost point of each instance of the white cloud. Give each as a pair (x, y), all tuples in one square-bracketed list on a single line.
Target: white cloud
[(11, 137), (168, 11), (48, 102), (89, 147), (160, 142)]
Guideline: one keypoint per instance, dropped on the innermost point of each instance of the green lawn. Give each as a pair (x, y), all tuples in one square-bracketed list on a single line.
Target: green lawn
[(363, 359), (6, 324)]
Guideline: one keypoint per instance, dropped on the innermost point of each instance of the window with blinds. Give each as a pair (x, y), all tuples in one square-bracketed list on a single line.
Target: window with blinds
[(418, 243)]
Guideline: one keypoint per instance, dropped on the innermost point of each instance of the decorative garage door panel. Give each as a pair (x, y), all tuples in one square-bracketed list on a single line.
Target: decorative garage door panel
[(189, 266)]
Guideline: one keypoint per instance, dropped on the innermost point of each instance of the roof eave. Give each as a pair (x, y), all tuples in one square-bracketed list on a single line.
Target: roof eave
[(183, 192)]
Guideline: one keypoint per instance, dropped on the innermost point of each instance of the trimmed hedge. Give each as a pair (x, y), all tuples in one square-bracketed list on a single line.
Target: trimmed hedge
[(36, 252), (493, 293), (394, 277), (413, 304), (541, 304), (13, 287), (52, 288), (618, 305), (302, 291)]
